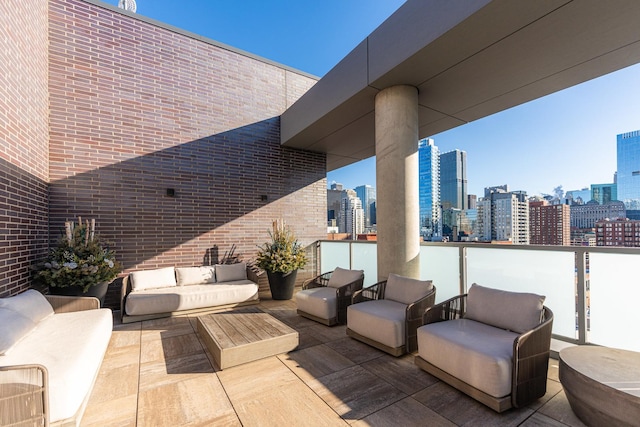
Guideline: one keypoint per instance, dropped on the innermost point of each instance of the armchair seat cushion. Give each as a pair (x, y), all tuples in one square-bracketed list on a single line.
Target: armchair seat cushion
[(380, 320), (478, 354), (319, 302)]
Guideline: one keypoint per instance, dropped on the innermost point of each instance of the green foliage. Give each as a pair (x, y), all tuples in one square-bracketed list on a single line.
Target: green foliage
[(283, 253), (79, 261)]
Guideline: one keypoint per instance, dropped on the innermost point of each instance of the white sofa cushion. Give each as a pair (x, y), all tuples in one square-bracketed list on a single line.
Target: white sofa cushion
[(319, 302), (186, 276), (14, 327), (231, 272), (515, 311), (178, 298), (341, 277), (153, 279), (476, 353), (405, 289), (71, 346), (380, 320), (31, 304)]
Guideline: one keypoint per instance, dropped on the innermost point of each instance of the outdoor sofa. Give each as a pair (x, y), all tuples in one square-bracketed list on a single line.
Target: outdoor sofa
[(51, 349), (170, 291), (491, 344)]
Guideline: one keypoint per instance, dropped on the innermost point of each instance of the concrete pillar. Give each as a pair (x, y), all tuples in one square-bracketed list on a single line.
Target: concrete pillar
[(397, 206)]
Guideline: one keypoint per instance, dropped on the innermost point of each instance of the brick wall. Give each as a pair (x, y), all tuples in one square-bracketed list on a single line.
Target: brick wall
[(24, 138), (137, 109)]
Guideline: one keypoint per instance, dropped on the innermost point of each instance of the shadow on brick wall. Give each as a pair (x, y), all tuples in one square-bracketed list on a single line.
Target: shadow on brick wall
[(171, 206)]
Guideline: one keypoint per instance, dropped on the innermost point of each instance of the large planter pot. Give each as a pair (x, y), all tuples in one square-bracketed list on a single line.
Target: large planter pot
[(281, 284), (98, 290)]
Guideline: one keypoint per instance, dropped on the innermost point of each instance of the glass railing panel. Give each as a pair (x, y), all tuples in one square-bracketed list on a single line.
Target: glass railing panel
[(442, 265), (613, 298), (334, 254), (364, 257), (545, 272)]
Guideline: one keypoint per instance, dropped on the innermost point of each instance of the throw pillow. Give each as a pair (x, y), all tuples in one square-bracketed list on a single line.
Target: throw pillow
[(405, 289), (231, 272), (341, 277), (151, 279), (31, 304), (186, 276), (14, 327)]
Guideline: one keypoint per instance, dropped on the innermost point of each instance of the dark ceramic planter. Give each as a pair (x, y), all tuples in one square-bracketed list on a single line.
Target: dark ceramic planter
[(282, 284), (99, 291)]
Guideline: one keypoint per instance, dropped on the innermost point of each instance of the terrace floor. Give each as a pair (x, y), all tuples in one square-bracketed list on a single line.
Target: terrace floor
[(158, 373)]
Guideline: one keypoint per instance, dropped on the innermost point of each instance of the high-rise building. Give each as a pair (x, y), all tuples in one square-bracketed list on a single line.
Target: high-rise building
[(334, 195), (472, 201), (586, 216), (367, 195), (503, 216), (619, 232), (351, 218), (578, 197), (453, 180), (628, 174), (549, 224), (429, 190), (604, 193)]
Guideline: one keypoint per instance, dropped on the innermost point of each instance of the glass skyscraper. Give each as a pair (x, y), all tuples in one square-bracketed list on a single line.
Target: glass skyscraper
[(429, 189), (453, 180), (367, 195), (628, 180)]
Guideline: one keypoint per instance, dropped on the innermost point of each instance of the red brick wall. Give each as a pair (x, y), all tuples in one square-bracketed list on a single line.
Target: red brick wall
[(24, 138), (137, 109)]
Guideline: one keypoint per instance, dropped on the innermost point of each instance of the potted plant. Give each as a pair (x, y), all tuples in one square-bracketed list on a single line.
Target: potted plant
[(281, 258), (80, 265)]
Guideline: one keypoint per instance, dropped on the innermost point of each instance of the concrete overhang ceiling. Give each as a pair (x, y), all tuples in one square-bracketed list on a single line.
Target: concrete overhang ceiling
[(469, 59)]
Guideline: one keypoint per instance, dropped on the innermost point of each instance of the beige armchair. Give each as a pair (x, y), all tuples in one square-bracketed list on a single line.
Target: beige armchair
[(492, 345), (325, 298), (387, 314)]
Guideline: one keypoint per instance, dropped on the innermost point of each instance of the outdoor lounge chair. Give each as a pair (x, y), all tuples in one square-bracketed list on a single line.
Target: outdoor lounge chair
[(490, 344), (387, 314), (325, 298)]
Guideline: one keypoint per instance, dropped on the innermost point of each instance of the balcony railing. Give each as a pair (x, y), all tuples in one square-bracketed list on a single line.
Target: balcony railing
[(594, 292)]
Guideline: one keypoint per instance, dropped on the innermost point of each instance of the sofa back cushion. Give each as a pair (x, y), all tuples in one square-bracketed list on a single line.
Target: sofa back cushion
[(405, 289), (186, 276), (515, 311), (151, 279), (341, 277), (14, 327), (30, 304), (231, 272)]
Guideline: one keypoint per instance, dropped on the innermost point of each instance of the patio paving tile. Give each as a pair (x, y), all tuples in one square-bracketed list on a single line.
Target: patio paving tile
[(170, 346), (177, 369), (120, 412), (407, 413), (559, 409), (355, 393), (400, 372), (315, 362), (354, 350), (195, 401), (465, 411), (539, 420)]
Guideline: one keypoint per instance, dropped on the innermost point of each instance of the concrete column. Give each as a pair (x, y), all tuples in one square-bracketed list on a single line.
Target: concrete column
[(397, 206)]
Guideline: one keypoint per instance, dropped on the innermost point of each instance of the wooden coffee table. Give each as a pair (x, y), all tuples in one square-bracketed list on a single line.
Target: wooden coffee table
[(244, 335)]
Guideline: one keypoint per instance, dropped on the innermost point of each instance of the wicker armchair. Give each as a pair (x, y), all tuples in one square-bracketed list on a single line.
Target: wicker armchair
[(529, 358), (325, 298), (376, 313)]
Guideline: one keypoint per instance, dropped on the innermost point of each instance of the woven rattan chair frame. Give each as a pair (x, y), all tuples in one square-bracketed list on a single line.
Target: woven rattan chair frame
[(344, 296), (531, 352), (24, 403), (413, 318)]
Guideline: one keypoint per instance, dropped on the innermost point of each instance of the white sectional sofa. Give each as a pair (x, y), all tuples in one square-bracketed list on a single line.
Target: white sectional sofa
[(51, 349), (164, 292)]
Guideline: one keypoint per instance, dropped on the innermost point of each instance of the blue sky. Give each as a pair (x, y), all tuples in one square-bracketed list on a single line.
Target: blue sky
[(568, 138)]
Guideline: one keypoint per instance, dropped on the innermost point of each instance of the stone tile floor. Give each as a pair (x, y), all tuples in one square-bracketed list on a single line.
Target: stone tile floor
[(158, 373)]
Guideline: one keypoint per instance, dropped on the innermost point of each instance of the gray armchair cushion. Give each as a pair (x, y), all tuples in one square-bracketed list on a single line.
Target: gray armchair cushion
[(320, 302), (341, 277), (515, 311), (406, 290), (474, 352), (380, 320)]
